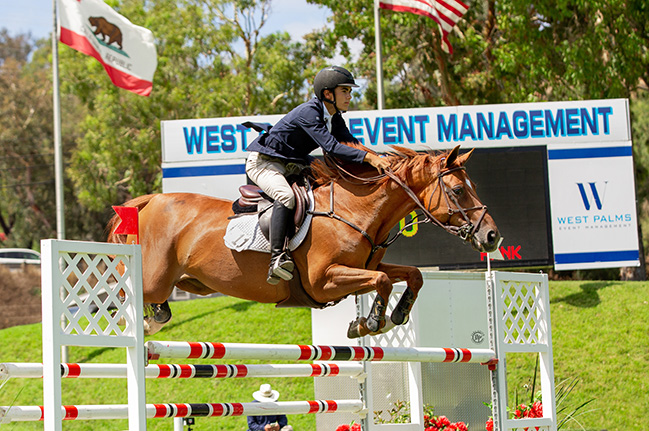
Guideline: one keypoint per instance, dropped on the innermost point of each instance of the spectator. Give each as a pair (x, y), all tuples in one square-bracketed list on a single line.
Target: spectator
[(266, 394)]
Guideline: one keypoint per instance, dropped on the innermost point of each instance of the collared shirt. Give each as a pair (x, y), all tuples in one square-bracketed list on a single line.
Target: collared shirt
[(327, 117)]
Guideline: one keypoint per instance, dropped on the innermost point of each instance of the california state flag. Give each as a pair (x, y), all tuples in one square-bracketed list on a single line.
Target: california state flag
[(126, 51)]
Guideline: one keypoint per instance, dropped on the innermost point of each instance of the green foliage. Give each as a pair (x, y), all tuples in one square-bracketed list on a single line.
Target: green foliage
[(202, 72), (399, 413)]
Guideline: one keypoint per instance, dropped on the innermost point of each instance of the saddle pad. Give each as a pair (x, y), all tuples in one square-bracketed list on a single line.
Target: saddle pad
[(243, 232)]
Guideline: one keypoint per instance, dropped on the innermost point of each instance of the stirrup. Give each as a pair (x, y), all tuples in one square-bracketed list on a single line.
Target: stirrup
[(281, 267)]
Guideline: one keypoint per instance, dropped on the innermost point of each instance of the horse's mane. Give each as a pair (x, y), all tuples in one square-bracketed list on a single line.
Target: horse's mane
[(400, 158)]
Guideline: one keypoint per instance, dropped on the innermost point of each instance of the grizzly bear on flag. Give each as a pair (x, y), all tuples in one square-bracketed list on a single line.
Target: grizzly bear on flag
[(105, 28)]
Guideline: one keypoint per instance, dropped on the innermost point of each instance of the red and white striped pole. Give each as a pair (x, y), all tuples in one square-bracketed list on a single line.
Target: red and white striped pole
[(184, 371), (294, 352), (120, 411)]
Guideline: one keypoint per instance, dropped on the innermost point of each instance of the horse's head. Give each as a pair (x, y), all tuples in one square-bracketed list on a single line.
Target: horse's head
[(452, 202)]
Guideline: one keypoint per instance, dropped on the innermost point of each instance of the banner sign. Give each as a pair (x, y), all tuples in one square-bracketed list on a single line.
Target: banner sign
[(589, 170), (482, 126)]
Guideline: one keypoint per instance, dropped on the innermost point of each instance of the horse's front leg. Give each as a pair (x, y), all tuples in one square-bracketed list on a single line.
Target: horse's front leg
[(413, 278), (343, 280)]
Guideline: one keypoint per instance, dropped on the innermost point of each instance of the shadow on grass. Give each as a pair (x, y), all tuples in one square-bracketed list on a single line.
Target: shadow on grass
[(588, 297), (177, 323), (240, 306)]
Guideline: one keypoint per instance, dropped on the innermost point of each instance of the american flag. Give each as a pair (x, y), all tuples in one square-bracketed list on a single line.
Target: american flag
[(446, 13)]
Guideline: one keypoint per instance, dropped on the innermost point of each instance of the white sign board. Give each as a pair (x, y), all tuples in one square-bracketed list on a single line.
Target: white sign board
[(592, 193)]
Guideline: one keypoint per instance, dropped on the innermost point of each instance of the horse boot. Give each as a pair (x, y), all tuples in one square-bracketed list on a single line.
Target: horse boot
[(281, 263)]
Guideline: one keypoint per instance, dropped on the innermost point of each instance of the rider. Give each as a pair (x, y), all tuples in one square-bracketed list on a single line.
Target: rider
[(285, 149)]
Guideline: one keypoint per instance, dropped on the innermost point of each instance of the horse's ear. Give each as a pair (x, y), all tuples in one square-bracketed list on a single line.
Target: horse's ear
[(452, 157), (461, 160)]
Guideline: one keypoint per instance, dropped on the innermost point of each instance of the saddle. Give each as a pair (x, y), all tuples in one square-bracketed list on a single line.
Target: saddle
[(254, 200)]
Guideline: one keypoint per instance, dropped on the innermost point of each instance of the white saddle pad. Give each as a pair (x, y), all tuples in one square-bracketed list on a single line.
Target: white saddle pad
[(243, 232)]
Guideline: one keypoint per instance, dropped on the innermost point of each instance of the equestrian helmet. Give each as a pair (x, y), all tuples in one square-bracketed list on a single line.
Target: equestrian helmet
[(331, 77)]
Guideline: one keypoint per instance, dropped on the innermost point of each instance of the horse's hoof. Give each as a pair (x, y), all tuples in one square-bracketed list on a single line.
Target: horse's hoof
[(162, 313), (355, 326), (151, 326)]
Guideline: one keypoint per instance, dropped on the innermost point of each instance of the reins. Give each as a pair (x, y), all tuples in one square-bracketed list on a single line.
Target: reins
[(465, 232)]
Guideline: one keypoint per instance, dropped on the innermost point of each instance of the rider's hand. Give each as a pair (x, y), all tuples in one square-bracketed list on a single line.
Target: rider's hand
[(377, 161)]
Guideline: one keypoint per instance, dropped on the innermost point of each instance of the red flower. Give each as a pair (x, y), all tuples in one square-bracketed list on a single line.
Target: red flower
[(343, 427), (537, 410), (442, 421), (461, 426), (356, 427), (489, 426), (432, 428)]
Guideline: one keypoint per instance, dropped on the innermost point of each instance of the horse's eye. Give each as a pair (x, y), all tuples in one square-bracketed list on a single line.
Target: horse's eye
[(458, 190)]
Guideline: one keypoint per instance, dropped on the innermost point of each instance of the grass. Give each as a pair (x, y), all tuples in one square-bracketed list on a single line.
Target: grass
[(600, 336), (600, 332), (220, 319)]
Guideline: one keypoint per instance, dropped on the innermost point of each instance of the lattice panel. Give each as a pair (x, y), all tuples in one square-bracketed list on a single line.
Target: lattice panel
[(399, 336), (94, 294), (523, 314)]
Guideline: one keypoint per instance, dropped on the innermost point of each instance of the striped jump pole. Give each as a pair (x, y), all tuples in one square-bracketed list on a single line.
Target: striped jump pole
[(184, 371), (294, 352), (120, 411)]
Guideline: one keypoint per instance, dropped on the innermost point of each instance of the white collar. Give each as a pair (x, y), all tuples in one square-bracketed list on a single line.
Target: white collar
[(327, 116)]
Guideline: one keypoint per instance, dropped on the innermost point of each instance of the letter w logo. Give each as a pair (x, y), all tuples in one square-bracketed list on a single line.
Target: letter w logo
[(594, 192)]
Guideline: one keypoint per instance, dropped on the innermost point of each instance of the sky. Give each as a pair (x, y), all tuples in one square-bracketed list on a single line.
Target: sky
[(297, 17)]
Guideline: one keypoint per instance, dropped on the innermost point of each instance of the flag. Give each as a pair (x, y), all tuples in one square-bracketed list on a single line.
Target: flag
[(126, 51), (129, 222), (446, 13)]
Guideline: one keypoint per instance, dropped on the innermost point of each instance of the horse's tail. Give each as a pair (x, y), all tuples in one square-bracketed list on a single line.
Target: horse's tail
[(139, 203)]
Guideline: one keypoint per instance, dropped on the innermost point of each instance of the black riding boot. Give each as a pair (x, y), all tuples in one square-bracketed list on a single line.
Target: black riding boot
[(281, 264)]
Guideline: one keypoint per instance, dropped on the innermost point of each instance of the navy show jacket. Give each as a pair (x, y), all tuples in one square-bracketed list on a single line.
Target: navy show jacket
[(303, 130)]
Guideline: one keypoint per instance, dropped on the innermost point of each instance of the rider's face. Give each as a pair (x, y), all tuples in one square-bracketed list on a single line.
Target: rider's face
[(343, 97)]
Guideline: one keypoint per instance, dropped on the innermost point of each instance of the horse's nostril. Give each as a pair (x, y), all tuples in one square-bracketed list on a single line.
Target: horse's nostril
[(492, 237)]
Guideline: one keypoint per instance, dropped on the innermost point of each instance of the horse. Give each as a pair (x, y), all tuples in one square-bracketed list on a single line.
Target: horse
[(181, 235)]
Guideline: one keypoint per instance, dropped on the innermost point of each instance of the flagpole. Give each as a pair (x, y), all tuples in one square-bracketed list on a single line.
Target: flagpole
[(379, 56), (58, 152)]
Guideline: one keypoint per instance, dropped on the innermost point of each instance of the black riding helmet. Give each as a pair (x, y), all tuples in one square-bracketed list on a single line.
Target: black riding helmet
[(331, 77)]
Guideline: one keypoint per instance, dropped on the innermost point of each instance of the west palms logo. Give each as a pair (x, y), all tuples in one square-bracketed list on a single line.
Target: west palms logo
[(592, 193)]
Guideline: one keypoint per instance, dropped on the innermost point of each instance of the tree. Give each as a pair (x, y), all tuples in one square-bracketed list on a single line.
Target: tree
[(27, 208), (504, 52), (26, 182), (202, 72)]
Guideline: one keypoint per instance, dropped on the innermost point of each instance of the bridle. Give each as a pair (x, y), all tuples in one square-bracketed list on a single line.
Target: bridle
[(465, 232)]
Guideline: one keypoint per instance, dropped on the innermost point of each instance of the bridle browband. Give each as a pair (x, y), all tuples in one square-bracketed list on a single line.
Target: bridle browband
[(465, 232)]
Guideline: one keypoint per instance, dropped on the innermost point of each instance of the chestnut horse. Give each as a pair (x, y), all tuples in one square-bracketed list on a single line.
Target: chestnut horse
[(182, 237)]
